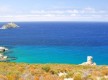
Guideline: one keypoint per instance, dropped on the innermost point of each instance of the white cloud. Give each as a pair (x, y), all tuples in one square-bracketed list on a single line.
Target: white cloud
[(7, 14), (73, 11), (54, 11), (37, 11), (74, 15), (88, 10)]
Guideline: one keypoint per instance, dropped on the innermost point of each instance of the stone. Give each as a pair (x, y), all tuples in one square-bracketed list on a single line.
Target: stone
[(89, 61), (68, 79), (62, 74), (2, 49)]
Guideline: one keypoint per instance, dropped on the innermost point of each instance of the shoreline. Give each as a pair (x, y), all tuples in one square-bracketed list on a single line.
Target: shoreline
[(54, 64), (32, 51), (52, 71)]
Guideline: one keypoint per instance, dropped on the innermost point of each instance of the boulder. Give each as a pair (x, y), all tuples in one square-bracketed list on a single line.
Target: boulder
[(89, 61), (2, 49)]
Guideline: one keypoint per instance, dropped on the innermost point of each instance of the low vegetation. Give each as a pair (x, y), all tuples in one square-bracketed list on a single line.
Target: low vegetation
[(23, 71)]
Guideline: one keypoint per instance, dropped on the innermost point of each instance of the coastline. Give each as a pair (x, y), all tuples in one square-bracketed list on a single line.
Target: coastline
[(56, 54), (60, 47)]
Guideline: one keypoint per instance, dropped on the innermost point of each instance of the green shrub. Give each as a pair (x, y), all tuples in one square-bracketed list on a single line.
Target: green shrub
[(46, 68), (69, 75), (77, 77)]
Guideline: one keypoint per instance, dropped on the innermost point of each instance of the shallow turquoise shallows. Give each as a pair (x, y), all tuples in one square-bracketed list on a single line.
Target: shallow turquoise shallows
[(57, 42), (58, 54)]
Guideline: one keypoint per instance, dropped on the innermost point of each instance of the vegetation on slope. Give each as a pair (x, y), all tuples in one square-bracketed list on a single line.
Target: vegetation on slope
[(23, 71)]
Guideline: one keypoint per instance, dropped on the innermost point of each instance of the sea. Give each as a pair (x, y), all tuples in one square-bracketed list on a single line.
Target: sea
[(56, 42)]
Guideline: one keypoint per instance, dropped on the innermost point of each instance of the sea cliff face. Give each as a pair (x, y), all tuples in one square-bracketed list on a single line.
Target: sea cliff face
[(9, 25)]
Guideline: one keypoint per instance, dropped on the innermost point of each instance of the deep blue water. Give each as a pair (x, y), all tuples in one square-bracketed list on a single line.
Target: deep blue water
[(57, 42)]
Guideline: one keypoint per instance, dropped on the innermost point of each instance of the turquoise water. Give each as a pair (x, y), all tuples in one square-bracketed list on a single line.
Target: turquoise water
[(58, 54), (57, 42)]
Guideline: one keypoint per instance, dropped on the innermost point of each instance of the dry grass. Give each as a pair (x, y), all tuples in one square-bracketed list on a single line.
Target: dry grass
[(22, 71)]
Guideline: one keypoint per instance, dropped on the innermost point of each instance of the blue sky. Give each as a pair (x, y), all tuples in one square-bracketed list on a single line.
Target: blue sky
[(53, 10)]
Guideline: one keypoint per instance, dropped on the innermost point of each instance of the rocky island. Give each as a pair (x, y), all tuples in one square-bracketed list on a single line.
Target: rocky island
[(9, 25)]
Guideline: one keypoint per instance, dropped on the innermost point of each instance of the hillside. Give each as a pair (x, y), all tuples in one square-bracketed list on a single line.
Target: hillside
[(23, 71)]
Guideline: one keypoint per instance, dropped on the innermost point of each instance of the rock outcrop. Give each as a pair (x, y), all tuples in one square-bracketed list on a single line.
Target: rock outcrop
[(9, 25), (2, 49), (89, 61), (2, 57)]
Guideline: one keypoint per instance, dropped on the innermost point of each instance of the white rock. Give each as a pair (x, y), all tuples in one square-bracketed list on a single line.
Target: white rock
[(106, 77), (98, 78), (5, 57), (1, 55), (62, 74), (3, 49), (89, 61), (68, 79)]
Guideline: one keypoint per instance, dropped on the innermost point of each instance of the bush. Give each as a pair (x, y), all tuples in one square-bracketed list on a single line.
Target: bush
[(77, 77), (69, 75), (46, 68)]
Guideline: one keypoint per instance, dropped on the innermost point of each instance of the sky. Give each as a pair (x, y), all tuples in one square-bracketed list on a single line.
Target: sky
[(53, 10)]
